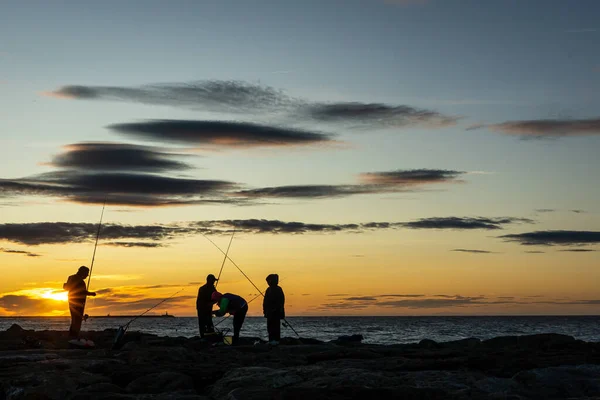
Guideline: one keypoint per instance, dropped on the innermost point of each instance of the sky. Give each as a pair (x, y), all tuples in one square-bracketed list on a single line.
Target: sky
[(384, 157)]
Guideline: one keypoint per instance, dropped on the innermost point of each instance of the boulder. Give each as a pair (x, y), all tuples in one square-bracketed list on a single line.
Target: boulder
[(253, 378), (161, 382)]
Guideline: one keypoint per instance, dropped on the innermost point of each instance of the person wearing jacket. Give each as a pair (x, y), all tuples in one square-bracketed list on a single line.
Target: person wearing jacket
[(274, 308), (231, 304), (77, 295), (204, 305)]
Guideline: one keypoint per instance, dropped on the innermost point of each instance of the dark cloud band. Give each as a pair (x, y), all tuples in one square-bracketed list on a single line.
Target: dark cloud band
[(238, 96), (554, 238), (219, 133), (117, 157)]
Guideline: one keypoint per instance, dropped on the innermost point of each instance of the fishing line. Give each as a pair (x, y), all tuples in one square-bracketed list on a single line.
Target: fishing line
[(225, 258), (229, 258)]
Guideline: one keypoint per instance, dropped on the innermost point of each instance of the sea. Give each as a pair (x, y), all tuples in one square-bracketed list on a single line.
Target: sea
[(375, 330)]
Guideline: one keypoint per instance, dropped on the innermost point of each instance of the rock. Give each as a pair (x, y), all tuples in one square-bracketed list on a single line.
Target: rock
[(350, 339), (15, 329), (102, 396), (342, 353), (546, 340), (468, 343), (103, 388), (561, 382), (253, 378), (429, 344), (161, 382)]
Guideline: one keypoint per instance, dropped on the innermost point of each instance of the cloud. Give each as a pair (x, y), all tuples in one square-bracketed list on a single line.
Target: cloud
[(220, 133), (113, 234), (117, 156), (581, 30), (27, 253), (413, 302), (127, 189), (370, 114), (411, 177), (553, 238), (458, 301), (210, 95), (363, 298), (578, 250), (535, 252), (308, 191), (549, 127), (402, 295), (133, 244), (371, 183), (24, 305), (545, 210), (242, 97), (256, 226), (464, 223), (472, 251), (38, 233)]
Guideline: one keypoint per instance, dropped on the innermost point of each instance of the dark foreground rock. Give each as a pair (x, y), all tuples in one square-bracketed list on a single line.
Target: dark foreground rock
[(40, 365)]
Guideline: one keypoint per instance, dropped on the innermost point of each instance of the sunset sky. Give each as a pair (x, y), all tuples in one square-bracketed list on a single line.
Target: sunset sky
[(384, 157)]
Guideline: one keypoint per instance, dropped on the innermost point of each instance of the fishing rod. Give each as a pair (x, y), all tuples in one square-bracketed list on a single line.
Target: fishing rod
[(96, 246), (286, 323), (123, 328), (225, 258), (229, 258), (85, 316), (151, 308)]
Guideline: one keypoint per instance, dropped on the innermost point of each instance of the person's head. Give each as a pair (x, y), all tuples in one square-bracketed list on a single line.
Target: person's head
[(216, 297), (273, 279), (211, 279), (83, 272)]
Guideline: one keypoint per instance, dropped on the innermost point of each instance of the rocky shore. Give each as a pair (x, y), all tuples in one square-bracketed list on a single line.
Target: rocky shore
[(40, 365)]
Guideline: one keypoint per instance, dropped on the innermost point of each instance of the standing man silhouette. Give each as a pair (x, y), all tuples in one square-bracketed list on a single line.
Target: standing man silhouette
[(204, 305), (77, 294)]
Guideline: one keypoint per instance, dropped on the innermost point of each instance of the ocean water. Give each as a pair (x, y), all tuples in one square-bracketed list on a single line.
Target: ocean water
[(376, 330)]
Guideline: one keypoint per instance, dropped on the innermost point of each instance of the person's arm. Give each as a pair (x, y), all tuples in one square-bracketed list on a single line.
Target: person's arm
[(223, 307), (93, 294), (266, 301), (67, 284), (282, 305)]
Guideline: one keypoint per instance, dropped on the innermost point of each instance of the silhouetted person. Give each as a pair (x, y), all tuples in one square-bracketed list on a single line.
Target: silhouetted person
[(273, 308), (77, 295), (234, 305), (204, 305)]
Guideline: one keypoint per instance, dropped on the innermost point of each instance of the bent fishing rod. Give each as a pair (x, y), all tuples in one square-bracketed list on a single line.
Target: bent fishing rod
[(124, 327), (249, 280)]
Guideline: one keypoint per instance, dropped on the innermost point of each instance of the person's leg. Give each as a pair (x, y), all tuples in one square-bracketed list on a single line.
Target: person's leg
[(270, 328), (238, 321), (76, 311), (277, 330), (209, 324), (201, 324)]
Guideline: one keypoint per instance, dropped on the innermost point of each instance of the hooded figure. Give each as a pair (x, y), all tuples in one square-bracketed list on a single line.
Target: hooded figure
[(273, 308), (77, 295), (204, 305), (234, 305)]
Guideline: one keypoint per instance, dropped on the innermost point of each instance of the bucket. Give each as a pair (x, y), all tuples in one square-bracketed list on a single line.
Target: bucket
[(227, 340)]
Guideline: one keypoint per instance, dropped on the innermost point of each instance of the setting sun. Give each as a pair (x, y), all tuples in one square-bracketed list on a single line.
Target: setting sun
[(46, 293)]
